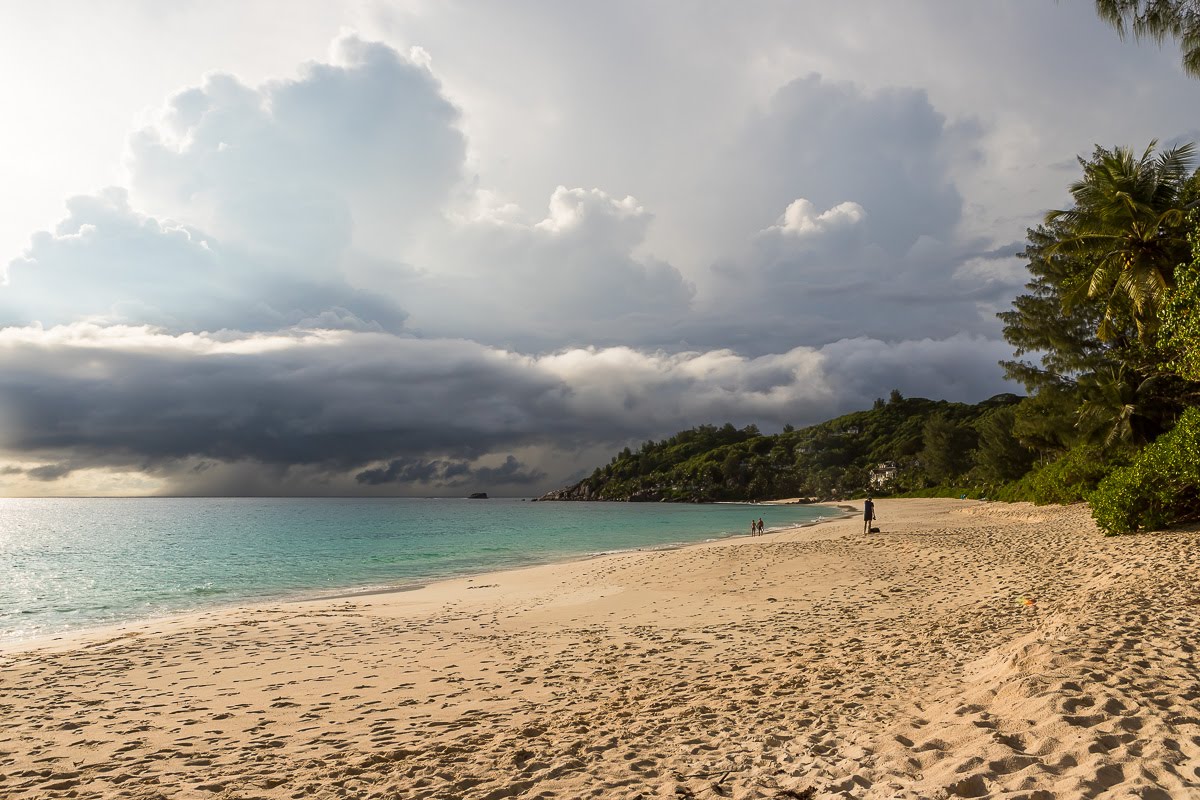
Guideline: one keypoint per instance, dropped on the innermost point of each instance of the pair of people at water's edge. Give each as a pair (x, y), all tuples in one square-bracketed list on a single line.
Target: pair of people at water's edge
[(756, 526), (868, 514)]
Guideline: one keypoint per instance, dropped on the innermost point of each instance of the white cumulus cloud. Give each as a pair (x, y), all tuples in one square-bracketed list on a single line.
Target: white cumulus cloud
[(801, 219)]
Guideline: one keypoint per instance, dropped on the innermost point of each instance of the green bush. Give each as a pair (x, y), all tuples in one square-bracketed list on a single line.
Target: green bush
[(1068, 479), (1160, 488), (945, 491)]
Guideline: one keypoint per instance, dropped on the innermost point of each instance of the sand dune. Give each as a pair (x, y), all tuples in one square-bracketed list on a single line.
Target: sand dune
[(816, 662)]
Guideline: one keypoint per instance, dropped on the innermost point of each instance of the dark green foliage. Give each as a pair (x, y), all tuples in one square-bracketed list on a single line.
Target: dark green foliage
[(1179, 330), (1067, 479), (1121, 407), (1160, 488), (956, 492), (1001, 456), (1128, 227), (948, 445), (1046, 422), (1108, 321), (1157, 20), (1101, 272), (829, 460)]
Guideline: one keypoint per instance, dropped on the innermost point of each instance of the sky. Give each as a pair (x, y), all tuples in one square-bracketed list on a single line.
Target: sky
[(430, 248)]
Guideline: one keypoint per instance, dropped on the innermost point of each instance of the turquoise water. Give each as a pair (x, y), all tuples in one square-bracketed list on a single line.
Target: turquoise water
[(69, 563)]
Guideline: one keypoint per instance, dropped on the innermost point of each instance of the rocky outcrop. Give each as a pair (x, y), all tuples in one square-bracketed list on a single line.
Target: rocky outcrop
[(654, 494), (580, 491)]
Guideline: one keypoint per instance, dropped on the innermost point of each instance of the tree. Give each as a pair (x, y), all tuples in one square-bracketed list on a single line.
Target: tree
[(1045, 422), (1128, 222), (1066, 343), (1099, 370), (948, 445), (1001, 457), (1158, 19), (1120, 408), (1179, 332), (731, 467)]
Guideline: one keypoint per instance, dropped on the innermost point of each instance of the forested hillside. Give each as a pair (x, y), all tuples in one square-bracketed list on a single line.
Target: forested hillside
[(930, 441)]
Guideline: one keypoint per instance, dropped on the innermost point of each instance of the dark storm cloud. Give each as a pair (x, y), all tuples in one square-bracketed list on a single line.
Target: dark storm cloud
[(828, 142), (396, 411), (451, 473), (49, 472), (339, 404), (858, 226)]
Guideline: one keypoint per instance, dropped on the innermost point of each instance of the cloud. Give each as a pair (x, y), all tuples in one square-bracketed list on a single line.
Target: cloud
[(442, 474), (106, 261), (49, 472), (825, 141), (328, 411), (801, 219), (308, 287), (360, 151), (867, 237), (574, 276), (337, 200)]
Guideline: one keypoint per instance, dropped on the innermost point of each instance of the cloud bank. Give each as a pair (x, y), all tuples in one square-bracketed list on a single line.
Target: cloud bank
[(304, 288), (360, 410)]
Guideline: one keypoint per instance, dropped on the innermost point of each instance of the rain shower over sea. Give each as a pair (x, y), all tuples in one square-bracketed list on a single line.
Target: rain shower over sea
[(70, 563)]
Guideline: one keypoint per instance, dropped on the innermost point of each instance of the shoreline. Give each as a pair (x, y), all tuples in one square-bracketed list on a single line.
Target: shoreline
[(969, 650), (77, 635)]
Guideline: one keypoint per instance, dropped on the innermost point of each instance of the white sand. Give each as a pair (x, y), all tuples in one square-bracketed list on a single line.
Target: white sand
[(813, 662)]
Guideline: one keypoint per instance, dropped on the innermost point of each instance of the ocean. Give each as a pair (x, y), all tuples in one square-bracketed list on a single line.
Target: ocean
[(72, 563)]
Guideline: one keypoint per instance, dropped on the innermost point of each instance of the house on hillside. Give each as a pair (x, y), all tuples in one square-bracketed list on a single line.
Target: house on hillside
[(883, 474)]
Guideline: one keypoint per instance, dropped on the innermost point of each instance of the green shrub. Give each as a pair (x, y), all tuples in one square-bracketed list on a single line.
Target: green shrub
[(1160, 488), (1068, 479), (944, 491)]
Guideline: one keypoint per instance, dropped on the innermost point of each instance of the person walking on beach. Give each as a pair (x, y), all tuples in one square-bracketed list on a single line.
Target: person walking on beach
[(753, 527), (760, 525), (868, 514)]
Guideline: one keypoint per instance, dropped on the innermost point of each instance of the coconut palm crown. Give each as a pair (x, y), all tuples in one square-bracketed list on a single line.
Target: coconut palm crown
[(1128, 225)]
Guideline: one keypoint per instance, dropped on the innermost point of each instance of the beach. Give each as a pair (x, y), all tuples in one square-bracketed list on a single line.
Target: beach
[(969, 649)]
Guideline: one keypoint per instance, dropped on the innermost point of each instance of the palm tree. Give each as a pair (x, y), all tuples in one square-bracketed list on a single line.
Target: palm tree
[(1158, 19), (1128, 223), (1123, 407)]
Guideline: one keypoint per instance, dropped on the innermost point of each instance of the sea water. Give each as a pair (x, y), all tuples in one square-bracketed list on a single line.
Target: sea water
[(69, 563)]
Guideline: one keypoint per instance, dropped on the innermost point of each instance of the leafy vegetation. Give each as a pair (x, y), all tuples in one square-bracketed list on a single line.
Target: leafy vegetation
[(1070, 478), (931, 442), (1158, 19), (1179, 332), (1110, 315), (1160, 488)]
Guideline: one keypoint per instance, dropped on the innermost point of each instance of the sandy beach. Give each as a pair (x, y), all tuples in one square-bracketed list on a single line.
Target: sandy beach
[(968, 650)]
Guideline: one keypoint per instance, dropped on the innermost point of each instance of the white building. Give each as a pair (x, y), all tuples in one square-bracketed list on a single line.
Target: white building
[(883, 474)]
